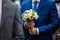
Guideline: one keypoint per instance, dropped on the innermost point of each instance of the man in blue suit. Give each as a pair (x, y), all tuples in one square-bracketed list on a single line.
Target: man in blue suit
[(46, 24)]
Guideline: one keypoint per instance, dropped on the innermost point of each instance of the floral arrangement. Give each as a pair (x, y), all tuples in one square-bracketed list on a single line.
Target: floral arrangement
[(30, 15)]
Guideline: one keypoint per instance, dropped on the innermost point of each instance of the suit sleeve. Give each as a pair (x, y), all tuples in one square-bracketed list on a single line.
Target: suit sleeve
[(53, 25), (18, 29), (21, 12)]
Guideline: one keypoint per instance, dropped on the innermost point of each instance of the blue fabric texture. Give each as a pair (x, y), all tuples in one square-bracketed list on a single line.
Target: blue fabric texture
[(47, 23)]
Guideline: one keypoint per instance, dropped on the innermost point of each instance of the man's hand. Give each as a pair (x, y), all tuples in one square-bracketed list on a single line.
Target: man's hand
[(58, 36), (30, 24), (33, 31)]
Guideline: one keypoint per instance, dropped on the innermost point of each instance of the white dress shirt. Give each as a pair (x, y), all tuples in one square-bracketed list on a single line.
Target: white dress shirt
[(0, 10), (33, 3)]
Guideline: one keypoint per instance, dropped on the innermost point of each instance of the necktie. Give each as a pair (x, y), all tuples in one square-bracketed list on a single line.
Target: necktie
[(35, 5)]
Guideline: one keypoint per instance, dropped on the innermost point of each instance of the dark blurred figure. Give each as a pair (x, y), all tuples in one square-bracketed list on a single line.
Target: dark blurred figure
[(11, 28), (57, 1), (58, 31)]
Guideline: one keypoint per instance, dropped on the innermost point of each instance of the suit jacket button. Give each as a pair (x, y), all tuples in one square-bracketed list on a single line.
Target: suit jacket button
[(4, 5)]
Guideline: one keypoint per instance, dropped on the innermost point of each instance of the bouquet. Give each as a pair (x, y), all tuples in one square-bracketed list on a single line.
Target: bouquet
[(30, 15)]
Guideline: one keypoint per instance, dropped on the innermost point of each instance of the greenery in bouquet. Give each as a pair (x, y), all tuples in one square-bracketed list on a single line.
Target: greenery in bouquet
[(30, 15)]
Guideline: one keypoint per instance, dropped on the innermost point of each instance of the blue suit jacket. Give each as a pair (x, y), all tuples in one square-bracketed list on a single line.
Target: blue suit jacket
[(48, 21)]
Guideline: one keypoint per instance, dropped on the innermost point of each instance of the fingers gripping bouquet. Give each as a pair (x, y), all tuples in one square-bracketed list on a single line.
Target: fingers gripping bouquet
[(30, 16)]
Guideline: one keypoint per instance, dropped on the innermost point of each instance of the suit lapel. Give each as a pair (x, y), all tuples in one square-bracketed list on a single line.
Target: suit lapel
[(29, 4), (40, 6), (4, 11)]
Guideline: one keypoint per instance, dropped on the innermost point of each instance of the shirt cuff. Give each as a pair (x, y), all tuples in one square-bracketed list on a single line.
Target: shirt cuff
[(37, 31), (25, 25)]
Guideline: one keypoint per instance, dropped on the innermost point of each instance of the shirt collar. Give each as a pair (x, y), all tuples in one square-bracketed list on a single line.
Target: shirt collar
[(35, 0)]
